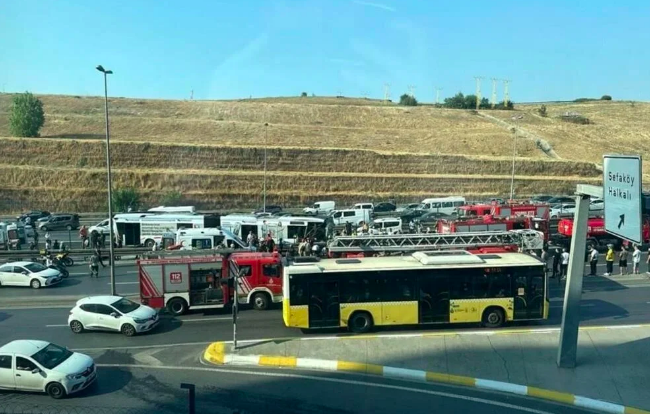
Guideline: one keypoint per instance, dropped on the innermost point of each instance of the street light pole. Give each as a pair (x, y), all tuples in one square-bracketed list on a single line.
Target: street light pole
[(266, 136), (514, 154), (110, 186)]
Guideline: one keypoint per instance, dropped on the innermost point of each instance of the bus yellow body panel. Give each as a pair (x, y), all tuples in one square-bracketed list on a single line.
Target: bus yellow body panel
[(374, 308), (295, 316), (399, 313), (471, 310)]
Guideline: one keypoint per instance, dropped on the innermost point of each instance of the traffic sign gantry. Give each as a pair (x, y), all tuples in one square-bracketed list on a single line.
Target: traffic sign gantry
[(622, 196)]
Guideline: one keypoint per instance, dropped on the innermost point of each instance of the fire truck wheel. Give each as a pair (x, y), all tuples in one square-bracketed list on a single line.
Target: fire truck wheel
[(360, 322), (493, 317), (177, 306), (261, 301)]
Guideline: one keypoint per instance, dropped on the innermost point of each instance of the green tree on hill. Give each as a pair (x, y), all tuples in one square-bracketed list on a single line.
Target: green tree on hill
[(27, 116), (123, 198), (408, 100)]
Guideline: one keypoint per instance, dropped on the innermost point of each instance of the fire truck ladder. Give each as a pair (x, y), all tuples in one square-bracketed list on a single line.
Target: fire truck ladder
[(528, 239)]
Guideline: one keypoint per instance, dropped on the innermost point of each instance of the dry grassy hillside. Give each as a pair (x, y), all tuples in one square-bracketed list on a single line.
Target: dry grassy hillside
[(318, 148)]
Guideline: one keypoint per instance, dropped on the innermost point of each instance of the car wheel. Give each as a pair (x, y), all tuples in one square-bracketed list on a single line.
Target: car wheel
[(76, 327), (35, 284), (55, 390), (128, 329), (68, 227), (261, 301)]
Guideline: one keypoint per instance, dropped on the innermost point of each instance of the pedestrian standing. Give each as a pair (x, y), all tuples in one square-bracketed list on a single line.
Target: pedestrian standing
[(622, 261), (544, 258), (556, 264), (636, 259), (83, 235), (47, 236), (564, 262), (609, 260), (593, 261)]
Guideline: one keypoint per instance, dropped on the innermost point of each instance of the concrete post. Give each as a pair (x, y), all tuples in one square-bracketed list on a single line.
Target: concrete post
[(567, 350)]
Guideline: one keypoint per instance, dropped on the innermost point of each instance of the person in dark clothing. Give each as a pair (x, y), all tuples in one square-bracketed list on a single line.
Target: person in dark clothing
[(98, 253), (556, 264), (103, 240), (348, 228), (93, 240)]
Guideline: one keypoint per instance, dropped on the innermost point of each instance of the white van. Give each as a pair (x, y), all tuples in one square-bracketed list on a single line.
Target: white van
[(364, 206), (320, 207), (354, 217), (445, 205), (387, 225), (206, 238)]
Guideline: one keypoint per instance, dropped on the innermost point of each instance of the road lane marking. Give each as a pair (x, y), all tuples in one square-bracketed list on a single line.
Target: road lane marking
[(117, 348), (368, 383), (205, 319), (124, 283)]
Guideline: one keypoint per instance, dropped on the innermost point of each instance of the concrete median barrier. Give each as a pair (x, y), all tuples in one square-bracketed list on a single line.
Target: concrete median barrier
[(520, 362)]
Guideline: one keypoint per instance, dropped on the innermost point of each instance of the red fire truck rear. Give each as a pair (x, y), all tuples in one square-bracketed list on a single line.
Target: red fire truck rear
[(184, 283), (596, 234)]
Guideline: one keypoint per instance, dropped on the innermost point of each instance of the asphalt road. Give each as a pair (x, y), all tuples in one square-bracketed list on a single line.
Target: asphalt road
[(128, 384)]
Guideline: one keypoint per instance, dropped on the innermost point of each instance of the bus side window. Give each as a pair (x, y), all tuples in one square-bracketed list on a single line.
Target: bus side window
[(298, 291), (365, 287), (462, 283), (398, 289), (500, 285), (480, 285)]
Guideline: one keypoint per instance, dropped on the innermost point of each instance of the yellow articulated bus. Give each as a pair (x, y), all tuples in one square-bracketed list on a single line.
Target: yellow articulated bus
[(423, 288)]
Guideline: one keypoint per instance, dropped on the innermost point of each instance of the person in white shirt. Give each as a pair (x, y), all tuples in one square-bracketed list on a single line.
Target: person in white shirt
[(593, 260), (636, 258), (565, 262)]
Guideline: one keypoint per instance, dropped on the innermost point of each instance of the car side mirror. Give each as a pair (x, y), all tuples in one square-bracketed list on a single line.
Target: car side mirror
[(114, 314), (36, 371)]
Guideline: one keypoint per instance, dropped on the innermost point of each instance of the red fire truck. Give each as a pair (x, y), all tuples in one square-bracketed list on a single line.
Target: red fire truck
[(596, 234), (540, 211), (492, 223), (204, 282), (474, 210)]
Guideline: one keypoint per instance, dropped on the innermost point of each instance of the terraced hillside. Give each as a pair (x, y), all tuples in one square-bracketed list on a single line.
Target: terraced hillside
[(318, 148)]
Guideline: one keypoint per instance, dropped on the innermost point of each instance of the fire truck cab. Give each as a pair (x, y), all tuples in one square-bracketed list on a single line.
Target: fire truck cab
[(180, 284)]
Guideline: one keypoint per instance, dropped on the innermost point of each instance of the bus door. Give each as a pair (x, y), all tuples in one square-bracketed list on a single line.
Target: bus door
[(324, 306), (433, 300), (529, 293)]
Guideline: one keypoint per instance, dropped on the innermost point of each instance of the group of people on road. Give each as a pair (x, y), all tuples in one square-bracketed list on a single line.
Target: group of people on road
[(559, 260)]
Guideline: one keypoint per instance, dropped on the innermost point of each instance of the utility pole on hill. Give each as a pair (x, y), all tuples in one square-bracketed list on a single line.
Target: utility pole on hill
[(386, 92), (478, 91), (506, 92), (411, 90), (494, 92), (438, 96)]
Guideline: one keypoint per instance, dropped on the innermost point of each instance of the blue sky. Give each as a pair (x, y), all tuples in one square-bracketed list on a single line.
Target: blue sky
[(233, 49)]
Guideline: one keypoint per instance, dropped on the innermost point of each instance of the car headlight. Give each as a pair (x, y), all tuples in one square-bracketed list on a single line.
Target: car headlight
[(139, 321), (74, 376)]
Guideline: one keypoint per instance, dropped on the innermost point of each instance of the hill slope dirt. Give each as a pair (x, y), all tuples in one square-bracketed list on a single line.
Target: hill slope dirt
[(318, 148)]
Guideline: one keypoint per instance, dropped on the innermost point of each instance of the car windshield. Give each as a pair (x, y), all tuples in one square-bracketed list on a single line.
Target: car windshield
[(35, 267), (51, 356), (125, 306)]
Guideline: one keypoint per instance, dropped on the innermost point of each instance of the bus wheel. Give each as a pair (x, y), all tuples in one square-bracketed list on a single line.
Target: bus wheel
[(177, 306), (149, 243), (261, 301), (360, 322), (493, 317)]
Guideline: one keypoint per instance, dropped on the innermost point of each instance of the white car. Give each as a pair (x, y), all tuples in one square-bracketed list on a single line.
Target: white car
[(112, 313), (100, 227), (597, 205), (28, 274), (30, 365), (561, 210)]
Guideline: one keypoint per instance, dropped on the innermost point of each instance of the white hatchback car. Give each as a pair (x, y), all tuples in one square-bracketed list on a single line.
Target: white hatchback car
[(30, 365), (112, 313), (28, 274)]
